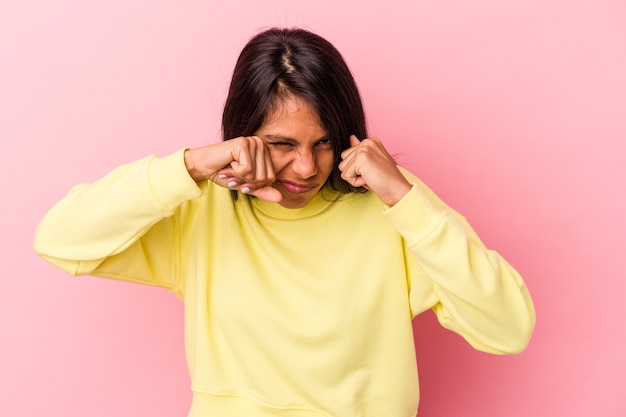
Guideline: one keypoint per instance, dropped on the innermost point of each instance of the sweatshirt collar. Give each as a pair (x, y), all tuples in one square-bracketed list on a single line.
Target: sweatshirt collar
[(322, 201)]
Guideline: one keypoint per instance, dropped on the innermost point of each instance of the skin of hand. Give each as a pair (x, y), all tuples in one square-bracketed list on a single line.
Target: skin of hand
[(242, 163), (368, 164)]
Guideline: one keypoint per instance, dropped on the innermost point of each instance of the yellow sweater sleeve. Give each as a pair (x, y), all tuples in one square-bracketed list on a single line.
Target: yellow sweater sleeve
[(474, 291), (129, 214)]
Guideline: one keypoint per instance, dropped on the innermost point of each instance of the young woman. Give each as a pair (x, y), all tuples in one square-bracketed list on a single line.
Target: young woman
[(302, 252)]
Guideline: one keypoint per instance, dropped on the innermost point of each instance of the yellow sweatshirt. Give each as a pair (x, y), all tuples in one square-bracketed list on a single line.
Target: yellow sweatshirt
[(292, 312)]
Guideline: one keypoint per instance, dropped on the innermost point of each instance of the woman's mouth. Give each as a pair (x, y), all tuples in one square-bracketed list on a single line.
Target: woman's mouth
[(295, 188)]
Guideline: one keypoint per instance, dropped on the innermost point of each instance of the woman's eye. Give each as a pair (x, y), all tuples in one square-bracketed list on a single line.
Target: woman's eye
[(323, 142), (281, 144)]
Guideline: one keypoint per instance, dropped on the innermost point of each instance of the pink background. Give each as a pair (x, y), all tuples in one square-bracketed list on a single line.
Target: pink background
[(514, 112)]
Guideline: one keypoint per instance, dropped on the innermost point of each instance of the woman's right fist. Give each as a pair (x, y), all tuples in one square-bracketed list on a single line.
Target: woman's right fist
[(241, 163)]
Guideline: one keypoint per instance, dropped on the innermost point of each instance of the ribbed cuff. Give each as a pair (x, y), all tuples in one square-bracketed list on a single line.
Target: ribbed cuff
[(415, 216), (170, 182)]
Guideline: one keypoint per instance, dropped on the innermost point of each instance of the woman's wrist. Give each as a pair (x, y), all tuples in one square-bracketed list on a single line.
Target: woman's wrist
[(191, 165)]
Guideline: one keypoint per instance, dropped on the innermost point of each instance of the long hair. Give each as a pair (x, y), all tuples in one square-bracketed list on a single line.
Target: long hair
[(279, 62)]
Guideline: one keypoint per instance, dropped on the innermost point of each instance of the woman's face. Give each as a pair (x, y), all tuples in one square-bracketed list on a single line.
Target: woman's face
[(301, 152)]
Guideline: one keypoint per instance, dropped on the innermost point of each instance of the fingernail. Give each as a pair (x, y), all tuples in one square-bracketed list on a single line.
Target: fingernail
[(245, 190), (222, 176), (232, 184)]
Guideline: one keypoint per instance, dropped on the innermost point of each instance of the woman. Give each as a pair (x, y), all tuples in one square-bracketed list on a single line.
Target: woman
[(301, 251)]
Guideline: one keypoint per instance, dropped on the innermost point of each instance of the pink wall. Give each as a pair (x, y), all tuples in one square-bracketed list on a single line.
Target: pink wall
[(514, 112)]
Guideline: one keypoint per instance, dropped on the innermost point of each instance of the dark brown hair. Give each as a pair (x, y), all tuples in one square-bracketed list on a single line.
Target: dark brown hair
[(279, 62)]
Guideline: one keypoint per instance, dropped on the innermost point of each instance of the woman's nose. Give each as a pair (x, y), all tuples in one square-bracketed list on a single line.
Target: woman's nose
[(304, 164)]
